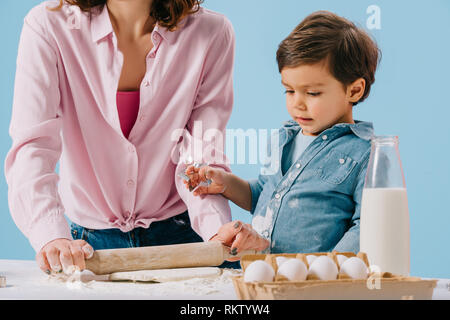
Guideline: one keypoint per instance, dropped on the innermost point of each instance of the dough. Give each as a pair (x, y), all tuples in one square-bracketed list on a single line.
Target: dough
[(166, 275)]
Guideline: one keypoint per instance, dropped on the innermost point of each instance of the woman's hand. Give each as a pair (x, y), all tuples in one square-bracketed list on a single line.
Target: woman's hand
[(239, 236), (203, 174), (60, 254)]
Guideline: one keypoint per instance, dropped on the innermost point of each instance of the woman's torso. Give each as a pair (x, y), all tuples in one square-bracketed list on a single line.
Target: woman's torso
[(107, 180)]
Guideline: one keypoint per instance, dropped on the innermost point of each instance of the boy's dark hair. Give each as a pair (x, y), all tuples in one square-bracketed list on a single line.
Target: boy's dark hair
[(350, 52)]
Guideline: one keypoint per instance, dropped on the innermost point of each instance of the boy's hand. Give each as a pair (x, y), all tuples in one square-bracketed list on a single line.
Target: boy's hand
[(202, 175)]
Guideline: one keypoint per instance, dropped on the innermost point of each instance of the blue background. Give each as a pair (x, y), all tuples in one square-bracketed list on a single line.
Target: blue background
[(408, 99)]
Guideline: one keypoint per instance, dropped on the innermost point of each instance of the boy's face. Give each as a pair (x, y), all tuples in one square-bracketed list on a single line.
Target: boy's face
[(315, 99)]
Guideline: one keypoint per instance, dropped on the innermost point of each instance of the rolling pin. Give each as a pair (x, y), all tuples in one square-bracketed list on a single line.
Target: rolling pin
[(198, 254)]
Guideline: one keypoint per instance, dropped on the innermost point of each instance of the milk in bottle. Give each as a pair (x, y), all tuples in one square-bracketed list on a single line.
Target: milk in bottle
[(384, 221)]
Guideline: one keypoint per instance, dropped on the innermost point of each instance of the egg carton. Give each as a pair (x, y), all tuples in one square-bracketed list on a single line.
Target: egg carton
[(377, 285)]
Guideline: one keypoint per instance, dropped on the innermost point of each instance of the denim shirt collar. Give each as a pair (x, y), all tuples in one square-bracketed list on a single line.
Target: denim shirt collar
[(361, 129)]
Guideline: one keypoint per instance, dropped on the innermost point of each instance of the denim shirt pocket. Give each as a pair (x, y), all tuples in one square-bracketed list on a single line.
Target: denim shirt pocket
[(336, 167)]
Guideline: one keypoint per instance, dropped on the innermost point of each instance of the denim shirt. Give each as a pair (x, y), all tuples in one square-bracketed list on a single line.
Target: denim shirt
[(315, 205)]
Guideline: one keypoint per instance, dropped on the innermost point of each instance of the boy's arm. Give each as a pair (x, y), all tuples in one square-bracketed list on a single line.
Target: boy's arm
[(270, 167), (244, 194), (350, 240), (238, 191), (256, 186)]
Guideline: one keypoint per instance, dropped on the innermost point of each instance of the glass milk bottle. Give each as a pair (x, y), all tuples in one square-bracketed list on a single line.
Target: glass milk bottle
[(384, 224)]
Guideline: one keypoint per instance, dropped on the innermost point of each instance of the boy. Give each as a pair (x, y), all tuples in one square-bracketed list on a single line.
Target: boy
[(312, 203)]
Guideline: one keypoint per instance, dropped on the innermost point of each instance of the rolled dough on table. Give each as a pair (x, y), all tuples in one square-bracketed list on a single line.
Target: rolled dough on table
[(166, 275)]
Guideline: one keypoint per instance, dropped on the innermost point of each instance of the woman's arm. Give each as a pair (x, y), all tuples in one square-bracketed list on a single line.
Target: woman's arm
[(30, 164), (202, 141), (36, 143)]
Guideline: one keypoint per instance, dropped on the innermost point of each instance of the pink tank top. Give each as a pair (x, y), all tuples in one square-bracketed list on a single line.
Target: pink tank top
[(128, 107)]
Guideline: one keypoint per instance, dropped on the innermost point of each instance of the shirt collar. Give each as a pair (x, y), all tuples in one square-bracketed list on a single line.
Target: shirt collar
[(100, 23), (101, 26), (361, 129), (169, 36)]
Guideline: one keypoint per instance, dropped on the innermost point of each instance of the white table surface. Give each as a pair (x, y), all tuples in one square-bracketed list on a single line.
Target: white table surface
[(26, 281)]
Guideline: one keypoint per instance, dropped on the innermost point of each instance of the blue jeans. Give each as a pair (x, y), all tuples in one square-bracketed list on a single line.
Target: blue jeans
[(174, 230)]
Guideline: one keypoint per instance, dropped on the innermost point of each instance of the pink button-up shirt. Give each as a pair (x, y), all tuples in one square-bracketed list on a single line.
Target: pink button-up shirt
[(64, 108)]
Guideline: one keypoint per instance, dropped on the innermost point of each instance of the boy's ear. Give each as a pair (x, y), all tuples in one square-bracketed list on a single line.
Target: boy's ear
[(356, 90)]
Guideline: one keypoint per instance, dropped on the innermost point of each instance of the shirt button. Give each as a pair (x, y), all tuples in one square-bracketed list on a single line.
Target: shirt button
[(277, 196), (298, 165), (324, 137), (152, 55), (265, 234), (147, 83), (142, 118), (341, 161), (131, 148), (130, 183)]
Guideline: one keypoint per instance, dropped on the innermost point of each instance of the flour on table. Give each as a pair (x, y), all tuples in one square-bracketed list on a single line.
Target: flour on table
[(166, 275), (183, 285)]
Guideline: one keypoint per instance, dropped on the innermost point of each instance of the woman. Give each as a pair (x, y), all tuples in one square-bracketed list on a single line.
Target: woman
[(101, 86)]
